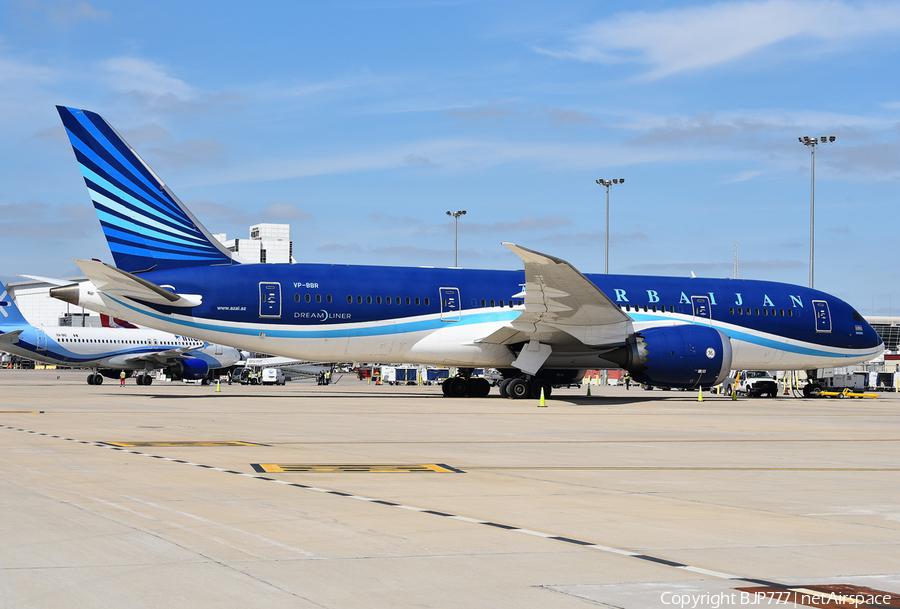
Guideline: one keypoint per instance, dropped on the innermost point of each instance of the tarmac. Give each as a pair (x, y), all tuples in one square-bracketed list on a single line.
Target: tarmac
[(357, 495)]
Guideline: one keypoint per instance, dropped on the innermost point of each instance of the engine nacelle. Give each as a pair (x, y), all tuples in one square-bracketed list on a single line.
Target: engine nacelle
[(188, 370), (683, 357)]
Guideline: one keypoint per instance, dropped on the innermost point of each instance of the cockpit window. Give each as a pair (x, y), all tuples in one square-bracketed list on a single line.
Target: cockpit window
[(857, 316)]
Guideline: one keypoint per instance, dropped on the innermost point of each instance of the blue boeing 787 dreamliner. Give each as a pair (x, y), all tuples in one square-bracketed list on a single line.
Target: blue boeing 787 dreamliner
[(540, 326)]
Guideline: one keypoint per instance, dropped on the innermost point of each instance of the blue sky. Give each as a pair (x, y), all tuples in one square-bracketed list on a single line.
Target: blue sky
[(362, 123)]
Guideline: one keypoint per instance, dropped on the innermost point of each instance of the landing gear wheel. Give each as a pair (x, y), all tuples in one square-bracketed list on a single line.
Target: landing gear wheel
[(517, 389), (147, 379), (205, 381), (536, 387), (812, 390), (478, 388), (458, 386), (98, 378), (445, 387), (501, 386), (455, 387), (91, 379)]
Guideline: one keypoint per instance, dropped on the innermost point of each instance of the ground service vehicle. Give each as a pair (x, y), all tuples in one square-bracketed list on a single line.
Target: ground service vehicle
[(752, 383), (272, 376)]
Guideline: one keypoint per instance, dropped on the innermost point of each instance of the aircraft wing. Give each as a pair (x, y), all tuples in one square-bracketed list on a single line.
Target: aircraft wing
[(116, 282), (562, 304), (163, 358)]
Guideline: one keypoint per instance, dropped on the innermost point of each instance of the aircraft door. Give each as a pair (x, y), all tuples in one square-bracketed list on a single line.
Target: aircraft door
[(702, 313), (450, 304), (823, 316), (41, 339), (270, 299)]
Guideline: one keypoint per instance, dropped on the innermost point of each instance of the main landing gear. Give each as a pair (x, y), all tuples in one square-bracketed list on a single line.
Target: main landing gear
[(95, 378), (464, 385), (522, 387), (143, 379)]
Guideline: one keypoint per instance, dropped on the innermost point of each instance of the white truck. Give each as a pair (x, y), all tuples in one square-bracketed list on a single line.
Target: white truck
[(752, 383), (272, 376)]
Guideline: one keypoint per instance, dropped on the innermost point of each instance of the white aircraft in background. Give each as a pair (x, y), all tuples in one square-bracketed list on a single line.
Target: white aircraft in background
[(110, 350)]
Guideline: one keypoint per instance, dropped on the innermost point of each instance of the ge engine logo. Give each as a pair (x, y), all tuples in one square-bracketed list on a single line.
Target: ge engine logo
[(710, 353)]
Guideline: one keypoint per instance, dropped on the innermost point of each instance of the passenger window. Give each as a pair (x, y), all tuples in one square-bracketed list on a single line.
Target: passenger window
[(482, 302), (427, 301), (790, 313), (378, 300), (748, 310), (492, 303), (368, 300), (731, 310), (407, 300), (502, 304), (388, 300), (782, 312), (645, 308), (296, 297), (766, 312), (318, 298), (756, 311), (358, 299), (417, 301), (740, 311), (308, 298), (328, 298), (349, 299)]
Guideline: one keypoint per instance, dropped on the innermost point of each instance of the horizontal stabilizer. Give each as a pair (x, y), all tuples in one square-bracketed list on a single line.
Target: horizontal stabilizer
[(50, 280), (10, 338), (117, 282)]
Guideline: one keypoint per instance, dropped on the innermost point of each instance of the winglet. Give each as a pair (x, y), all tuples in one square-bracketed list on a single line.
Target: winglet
[(146, 226)]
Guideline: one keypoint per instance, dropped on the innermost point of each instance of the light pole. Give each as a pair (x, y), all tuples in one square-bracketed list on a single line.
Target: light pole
[(456, 215), (607, 183), (812, 142)]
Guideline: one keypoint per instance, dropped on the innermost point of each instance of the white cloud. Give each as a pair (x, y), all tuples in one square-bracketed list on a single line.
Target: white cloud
[(133, 75), (743, 176), (699, 37)]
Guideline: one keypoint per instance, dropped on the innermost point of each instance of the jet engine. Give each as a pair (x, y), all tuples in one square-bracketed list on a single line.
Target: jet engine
[(682, 357), (188, 369)]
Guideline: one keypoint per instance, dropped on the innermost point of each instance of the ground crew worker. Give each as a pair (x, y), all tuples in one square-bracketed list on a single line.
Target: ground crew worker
[(627, 381), (122, 379)]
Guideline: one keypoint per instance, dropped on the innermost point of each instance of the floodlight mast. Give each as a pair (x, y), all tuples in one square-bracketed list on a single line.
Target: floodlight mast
[(455, 215), (812, 142), (608, 183)]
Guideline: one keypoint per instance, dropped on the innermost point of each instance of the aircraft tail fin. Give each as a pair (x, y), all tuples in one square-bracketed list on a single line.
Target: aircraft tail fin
[(146, 226), (114, 322), (10, 315)]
